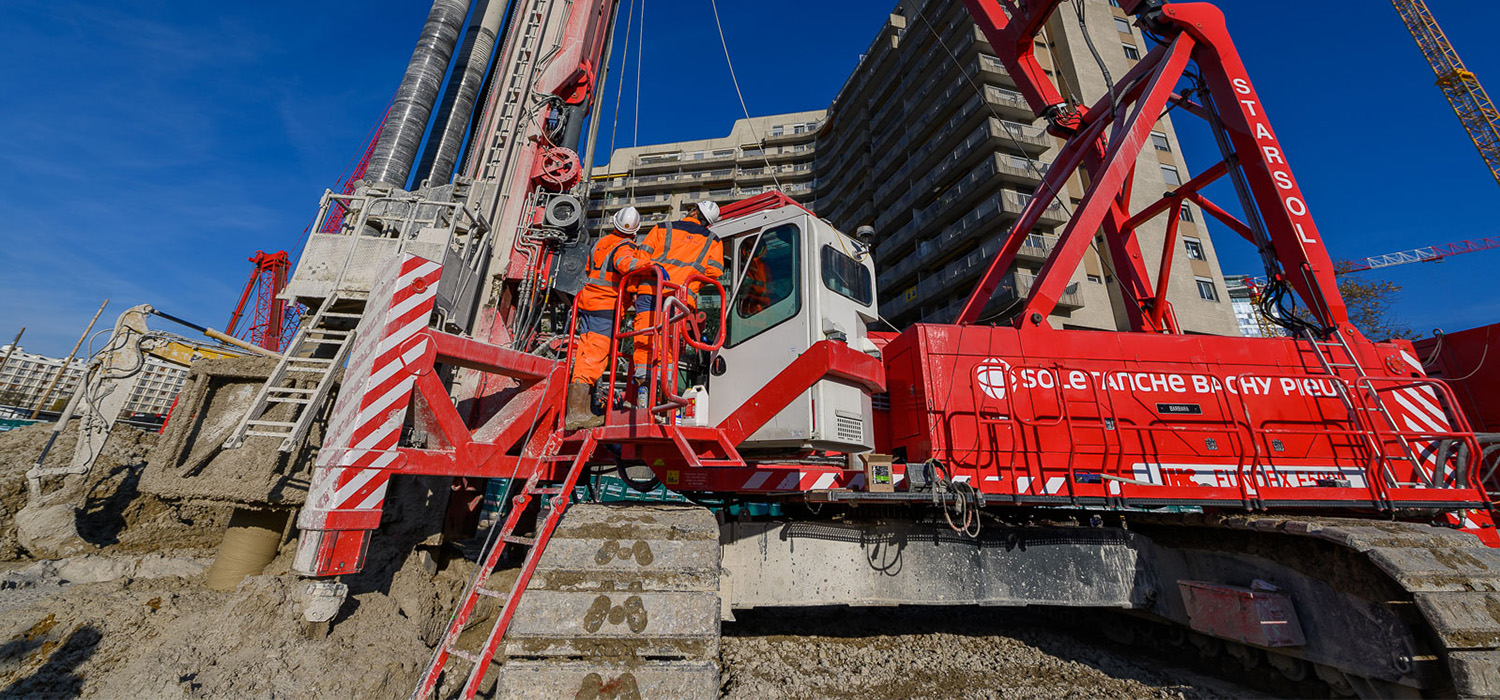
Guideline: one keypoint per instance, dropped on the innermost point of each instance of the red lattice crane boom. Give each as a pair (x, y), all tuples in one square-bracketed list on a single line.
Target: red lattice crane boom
[(269, 317)]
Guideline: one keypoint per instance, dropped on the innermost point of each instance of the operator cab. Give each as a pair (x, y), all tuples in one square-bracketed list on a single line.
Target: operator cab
[(792, 280)]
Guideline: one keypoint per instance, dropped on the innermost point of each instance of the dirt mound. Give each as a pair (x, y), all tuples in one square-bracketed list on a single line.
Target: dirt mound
[(149, 636), (114, 515)]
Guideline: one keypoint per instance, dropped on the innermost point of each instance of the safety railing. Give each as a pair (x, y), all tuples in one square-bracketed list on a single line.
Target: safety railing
[(676, 322), (1013, 404)]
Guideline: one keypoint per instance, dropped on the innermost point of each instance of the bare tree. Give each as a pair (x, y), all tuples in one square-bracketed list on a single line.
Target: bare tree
[(1370, 303)]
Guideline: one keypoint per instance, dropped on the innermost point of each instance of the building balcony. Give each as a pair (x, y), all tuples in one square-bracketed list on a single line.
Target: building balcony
[(612, 203), (773, 172), (1053, 215), (778, 153), (1029, 139), (794, 133), (1008, 103), (1022, 170), (656, 162), (1036, 247), (1017, 285)]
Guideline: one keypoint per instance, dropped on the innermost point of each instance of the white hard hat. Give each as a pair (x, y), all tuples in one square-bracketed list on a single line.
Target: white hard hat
[(628, 221), (710, 212)]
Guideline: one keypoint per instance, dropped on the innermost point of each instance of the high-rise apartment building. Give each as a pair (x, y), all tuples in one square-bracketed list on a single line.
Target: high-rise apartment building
[(758, 155), (930, 143)]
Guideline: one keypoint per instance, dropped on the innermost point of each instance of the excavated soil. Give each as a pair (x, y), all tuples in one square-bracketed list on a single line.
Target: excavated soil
[(114, 516), (155, 632), (133, 620)]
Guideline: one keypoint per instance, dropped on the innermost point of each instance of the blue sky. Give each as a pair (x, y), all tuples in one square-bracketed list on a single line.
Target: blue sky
[(148, 147)]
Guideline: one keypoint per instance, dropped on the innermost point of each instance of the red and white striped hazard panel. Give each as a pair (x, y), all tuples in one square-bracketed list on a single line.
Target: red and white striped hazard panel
[(354, 465)]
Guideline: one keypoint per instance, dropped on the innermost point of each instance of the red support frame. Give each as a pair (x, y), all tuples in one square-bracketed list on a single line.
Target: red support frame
[(1195, 33)]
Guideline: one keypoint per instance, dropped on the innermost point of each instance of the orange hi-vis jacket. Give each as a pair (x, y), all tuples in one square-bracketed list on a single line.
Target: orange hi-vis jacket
[(684, 248), (612, 257)]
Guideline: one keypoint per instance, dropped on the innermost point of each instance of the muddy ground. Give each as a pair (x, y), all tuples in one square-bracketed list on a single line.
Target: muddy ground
[(131, 619)]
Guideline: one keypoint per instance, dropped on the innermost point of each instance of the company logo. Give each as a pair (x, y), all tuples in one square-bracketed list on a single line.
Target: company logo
[(991, 375)]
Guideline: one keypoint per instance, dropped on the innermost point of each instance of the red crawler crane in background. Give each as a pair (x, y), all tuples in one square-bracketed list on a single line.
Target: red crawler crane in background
[(270, 318)]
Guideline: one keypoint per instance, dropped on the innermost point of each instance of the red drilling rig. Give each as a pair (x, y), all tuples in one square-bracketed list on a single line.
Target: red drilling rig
[(1299, 502)]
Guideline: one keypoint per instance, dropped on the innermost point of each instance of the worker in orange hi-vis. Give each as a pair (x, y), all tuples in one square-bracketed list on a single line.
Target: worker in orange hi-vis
[(682, 248), (755, 290), (614, 255)]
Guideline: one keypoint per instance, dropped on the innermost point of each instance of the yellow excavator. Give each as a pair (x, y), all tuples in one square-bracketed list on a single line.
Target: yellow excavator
[(46, 526)]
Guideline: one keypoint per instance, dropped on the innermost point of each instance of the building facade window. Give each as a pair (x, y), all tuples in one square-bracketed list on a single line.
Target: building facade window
[(1170, 176), (1206, 290), (1123, 25), (1194, 249), (1096, 279), (1132, 53), (1159, 140), (1185, 213)]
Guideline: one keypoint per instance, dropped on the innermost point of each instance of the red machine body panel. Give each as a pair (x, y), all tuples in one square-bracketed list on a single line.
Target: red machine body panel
[(1086, 417), (1463, 360)]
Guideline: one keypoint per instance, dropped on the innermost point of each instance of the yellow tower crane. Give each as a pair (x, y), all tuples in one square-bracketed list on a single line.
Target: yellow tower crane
[(1459, 84)]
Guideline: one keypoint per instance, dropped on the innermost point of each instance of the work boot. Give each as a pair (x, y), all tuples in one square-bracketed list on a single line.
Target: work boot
[(580, 408)]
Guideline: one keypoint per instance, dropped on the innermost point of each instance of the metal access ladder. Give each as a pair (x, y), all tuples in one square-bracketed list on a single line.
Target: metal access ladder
[(1367, 409), (303, 378), (560, 497)]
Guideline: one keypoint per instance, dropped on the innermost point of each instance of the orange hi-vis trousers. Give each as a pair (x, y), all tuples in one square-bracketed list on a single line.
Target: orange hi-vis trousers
[(591, 356)]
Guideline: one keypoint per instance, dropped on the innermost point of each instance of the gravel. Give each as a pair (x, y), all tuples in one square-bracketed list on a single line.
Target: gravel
[(925, 653)]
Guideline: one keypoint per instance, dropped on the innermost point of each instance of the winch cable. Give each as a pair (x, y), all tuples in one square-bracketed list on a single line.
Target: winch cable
[(614, 128), (635, 135), (741, 95)]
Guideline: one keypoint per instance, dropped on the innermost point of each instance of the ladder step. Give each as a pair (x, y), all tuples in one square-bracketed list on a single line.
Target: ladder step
[(290, 390), (309, 361), (466, 656), (306, 370), (300, 402), (516, 539), (262, 433), (273, 423), (481, 590), (340, 314)]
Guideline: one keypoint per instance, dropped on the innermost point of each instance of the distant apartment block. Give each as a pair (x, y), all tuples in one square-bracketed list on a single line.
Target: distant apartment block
[(758, 155), (24, 380)]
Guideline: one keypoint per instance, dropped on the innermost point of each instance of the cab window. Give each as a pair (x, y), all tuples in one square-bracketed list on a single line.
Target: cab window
[(846, 276), (770, 287)]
